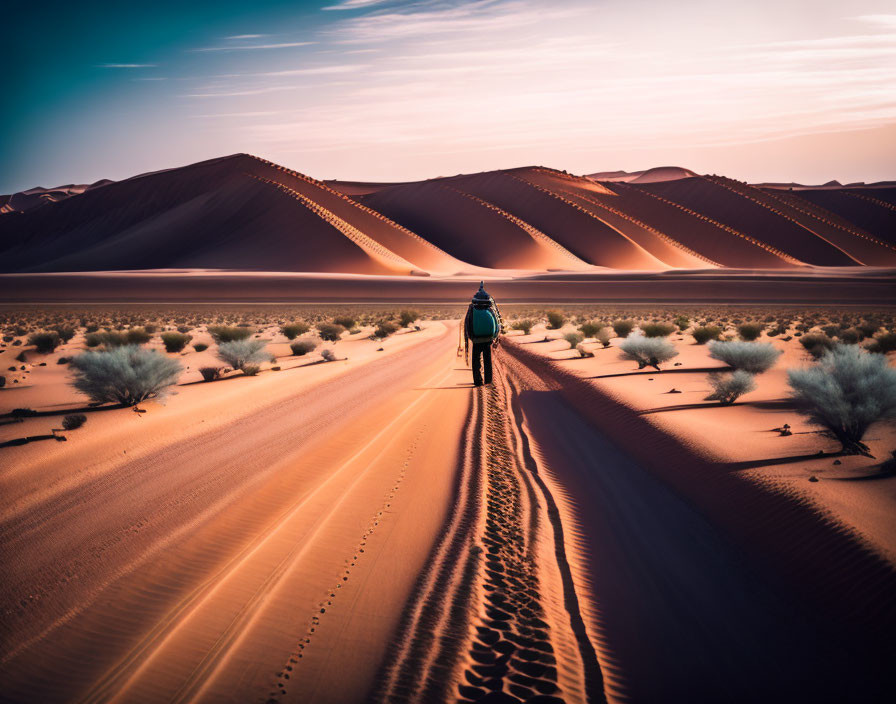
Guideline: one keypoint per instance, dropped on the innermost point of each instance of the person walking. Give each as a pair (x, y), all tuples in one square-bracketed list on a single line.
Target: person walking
[(482, 325)]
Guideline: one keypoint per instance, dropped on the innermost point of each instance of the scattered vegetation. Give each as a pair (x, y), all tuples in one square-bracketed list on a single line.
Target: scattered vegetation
[(657, 329), (749, 331), (329, 332), (211, 373), (846, 393), (751, 357), (882, 344), (580, 348), (727, 388), (705, 333), (573, 338), (384, 329), (345, 321), (647, 351), (73, 421), (556, 319), (242, 353), (200, 347), (45, 342), (293, 330), (623, 328), (682, 322), (603, 337), (128, 374), (175, 341), (227, 333), (302, 347), (816, 344), (589, 329), (407, 317), (328, 355), (525, 325)]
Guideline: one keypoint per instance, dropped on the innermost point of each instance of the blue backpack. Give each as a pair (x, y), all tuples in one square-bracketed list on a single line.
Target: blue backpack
[(483, 326)]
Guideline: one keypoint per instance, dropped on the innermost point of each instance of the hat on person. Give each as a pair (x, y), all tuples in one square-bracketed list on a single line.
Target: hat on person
[(481, 296)]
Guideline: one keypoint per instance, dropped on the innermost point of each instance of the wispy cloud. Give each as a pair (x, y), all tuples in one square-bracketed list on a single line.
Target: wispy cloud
[(253, 47), (888, 21), (353, 4), (246, 36), (126, 65), (241, 92)]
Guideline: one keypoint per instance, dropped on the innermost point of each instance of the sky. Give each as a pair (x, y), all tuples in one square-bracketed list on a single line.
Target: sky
[(388, 90)]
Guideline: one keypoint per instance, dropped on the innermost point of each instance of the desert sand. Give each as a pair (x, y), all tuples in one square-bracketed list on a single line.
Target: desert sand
[(376, 529), (242, 212)]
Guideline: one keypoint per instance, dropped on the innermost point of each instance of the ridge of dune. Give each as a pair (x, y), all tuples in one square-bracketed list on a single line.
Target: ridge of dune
[(377, 251), (425, 255), (584, 211), (533, 232), (730, 230)]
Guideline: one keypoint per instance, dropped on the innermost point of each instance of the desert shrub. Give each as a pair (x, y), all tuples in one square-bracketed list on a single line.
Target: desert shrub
[(92, 327), (126, 375), (705, 333), (384, 329), (110, 338), (845, 393), (603, 336), (241, 353), (93, 339), (623, 328), (226, 333), (556, 319), (727, 388), (752, 357), (21, 357), (682, 322), (183, 329), (580, 348), (329, 332), (749, 331), (151, 329), (302, 347), (251, 369), (200, 347), (647, 351), (850, 336), (406, 317), (883, 343), (777, 330), (293, 330), (2, 381), (868, 328), (175, 341), (328, 355), (137, 336), (831, 330), (45, 342), (657, 329), (63, 360), (589, 329), (73, 420), (65, 333), (211, 373), (816, 344), (573, 338), (524, 325)]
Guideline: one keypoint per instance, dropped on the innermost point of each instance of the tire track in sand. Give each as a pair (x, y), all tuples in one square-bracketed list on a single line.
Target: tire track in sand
[(495, 606)]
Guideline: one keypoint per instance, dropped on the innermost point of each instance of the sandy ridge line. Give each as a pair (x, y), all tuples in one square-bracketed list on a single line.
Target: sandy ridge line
[(156, 640)]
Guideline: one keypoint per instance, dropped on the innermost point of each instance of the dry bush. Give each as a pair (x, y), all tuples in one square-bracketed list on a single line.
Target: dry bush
[(45, 342), (293, 330), (647, 351), (126, 375), (241, 353), (705, 333), (73, 421), (302, 347), (330, 332), (623, 328), (727, 388), (556, 319), (227, 333), (752, 357), (524, 325), (846, 393), (657, 329), (175, 341), (749, 331)]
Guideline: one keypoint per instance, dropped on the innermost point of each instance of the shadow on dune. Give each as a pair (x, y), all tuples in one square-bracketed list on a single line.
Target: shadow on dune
[(63, 411), (781, 405), (751, 464)]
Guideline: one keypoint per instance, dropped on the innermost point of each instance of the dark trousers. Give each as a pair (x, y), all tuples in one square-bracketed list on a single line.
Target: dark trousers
[(483, 350)]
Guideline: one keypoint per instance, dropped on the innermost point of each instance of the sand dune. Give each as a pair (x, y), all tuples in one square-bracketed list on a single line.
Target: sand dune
[(243, 212)]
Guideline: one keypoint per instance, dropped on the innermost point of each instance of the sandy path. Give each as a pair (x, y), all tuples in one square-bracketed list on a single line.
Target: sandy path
[(196, 572)]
